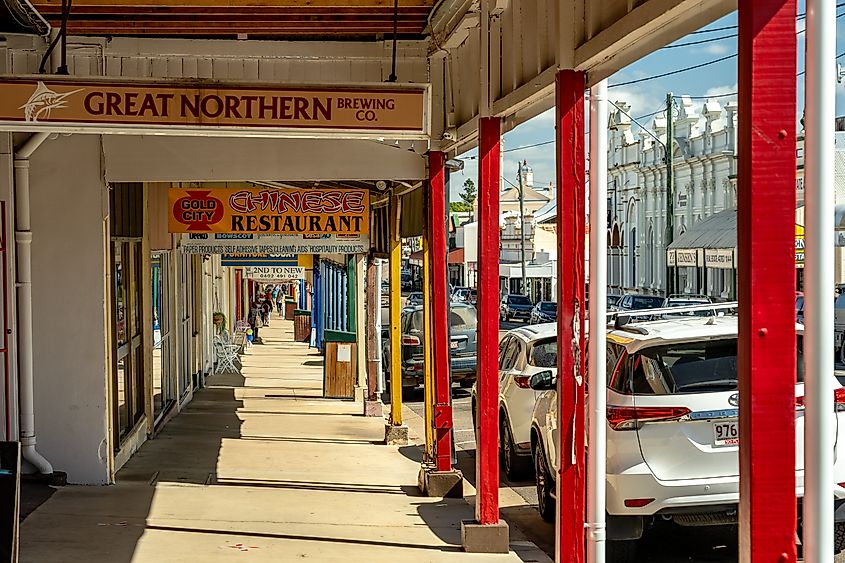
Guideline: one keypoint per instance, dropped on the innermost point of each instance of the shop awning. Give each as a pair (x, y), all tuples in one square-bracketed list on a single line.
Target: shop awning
[(712, 243), (456, 256), (717, 231)]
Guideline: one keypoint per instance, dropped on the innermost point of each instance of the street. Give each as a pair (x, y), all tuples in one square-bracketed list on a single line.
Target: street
[(665, 543)]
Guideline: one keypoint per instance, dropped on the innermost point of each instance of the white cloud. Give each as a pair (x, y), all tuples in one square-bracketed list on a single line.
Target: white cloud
[(717, 49)]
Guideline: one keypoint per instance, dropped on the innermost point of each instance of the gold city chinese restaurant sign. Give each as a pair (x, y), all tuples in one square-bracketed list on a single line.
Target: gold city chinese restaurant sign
[(269, 210), (102, 105)]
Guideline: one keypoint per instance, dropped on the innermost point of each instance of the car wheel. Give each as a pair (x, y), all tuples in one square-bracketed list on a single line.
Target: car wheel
[(466, 383), (621, 551), (516, 467), (545, 484), (838, 537)]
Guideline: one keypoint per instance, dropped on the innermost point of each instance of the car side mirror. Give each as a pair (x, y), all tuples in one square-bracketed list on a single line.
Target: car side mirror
[(542, 381)]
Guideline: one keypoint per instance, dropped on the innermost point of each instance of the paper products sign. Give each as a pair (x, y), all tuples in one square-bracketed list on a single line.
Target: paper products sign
[(228, 243)]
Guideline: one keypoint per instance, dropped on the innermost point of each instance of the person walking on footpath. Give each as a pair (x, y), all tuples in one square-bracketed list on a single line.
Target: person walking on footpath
[(267, 308), (254, 320), (280, 300)]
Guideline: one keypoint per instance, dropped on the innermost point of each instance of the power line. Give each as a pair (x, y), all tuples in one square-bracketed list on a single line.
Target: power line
[(725, 95), (713, 30), (700, 42), (672, 72), (839, 56)]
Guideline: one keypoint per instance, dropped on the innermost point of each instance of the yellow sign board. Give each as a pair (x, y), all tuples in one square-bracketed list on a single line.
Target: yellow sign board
[(269, 210), (799, 246), (37, 102)]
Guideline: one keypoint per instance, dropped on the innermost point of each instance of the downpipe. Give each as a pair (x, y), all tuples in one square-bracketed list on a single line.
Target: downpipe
[(23, 286)]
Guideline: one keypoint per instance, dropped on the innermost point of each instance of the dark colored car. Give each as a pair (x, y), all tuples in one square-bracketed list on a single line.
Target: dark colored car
[(463, 324), (612, 301), (636, 302), (544, 312), (514, 306), (799, 307), (414, 299)]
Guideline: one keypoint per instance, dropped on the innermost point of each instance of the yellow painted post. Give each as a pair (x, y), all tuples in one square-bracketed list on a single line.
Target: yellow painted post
[(395, 312), (428, 384)]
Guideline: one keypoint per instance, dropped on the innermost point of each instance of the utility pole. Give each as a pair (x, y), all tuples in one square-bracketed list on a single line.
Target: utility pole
[(522, 228), (670, 184)]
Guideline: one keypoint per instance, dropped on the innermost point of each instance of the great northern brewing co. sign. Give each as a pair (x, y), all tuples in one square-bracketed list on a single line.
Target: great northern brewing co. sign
[(269, 210), (161, 105)]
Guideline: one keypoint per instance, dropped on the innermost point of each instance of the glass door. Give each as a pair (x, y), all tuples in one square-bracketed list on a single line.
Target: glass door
[(128, 368), (186, 341), (164, 388)]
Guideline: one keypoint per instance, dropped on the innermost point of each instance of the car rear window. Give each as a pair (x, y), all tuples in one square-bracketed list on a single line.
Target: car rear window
[(548, 307), (460, 318), (646, 302), (544, 353), (684, 368), (463, 318), (519, 300)]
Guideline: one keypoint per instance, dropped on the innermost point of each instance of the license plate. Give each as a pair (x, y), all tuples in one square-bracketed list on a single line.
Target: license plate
[(726, 433), (454, 344)]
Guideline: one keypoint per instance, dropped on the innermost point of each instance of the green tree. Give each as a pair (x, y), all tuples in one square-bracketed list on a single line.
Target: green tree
[(459, 206), (470, 194)]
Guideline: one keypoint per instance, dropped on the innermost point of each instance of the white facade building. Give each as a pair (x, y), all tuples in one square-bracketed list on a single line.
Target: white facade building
[(705, 171)]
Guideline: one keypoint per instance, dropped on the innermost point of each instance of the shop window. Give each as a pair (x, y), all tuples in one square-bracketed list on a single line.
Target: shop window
[(126, 205)]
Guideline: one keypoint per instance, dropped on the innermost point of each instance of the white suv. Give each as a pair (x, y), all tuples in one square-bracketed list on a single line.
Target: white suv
[(672, 429), (522, 353)]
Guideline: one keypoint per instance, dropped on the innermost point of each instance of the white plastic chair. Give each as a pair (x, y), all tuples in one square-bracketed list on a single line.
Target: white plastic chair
[(226, 353)]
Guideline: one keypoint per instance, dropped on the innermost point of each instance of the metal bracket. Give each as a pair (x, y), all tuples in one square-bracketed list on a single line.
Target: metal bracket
[(443, 416)]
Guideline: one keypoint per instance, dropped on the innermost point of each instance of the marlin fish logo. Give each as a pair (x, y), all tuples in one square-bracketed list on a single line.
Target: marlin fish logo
[(43, 101)]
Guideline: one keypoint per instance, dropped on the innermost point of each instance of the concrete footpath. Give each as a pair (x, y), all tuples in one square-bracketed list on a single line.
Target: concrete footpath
[(259, 468)]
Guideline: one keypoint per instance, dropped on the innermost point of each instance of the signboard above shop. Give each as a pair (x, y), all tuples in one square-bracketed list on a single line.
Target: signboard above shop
[(275, 273), (104, 106), (226, 243), (267, 210)]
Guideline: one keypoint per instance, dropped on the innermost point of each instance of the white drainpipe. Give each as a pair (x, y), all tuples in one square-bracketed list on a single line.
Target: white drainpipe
[(23, 253)]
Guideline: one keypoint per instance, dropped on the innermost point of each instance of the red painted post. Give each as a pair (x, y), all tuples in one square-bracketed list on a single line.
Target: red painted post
[(571, 235), (487, 419), (766, 279), (440, 313)]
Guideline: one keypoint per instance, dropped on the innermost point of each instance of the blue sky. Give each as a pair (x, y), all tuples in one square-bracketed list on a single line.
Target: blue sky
[(649, 96)]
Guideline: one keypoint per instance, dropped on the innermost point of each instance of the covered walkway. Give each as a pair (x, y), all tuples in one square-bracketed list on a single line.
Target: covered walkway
[(258, 466)]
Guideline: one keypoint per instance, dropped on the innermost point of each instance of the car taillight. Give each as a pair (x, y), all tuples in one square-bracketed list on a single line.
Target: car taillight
[(638, 502), (522, 381), (410, 341), (838, 400), (629, 418)]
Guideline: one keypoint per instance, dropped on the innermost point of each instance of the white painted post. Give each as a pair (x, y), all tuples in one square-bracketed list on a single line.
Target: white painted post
[(597, 378), (820, 82)]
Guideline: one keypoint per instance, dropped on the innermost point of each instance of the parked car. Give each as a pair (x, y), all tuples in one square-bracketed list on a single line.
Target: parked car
[(522, 353), (514, 306), (544, 312), (463, 324), (839, 322), (385, 293), (460, 294), (414, 298), (680, 300), (672, 429), (612, 301), (799, 307), (636, 302)]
